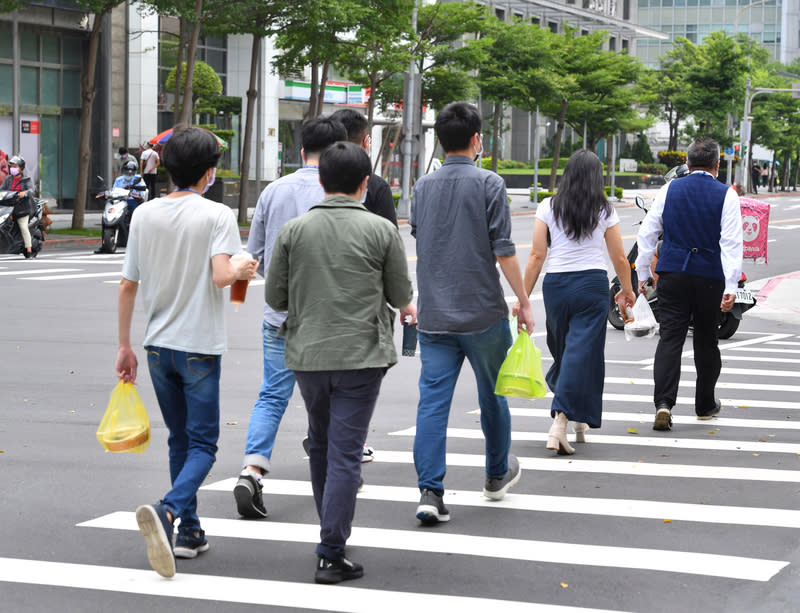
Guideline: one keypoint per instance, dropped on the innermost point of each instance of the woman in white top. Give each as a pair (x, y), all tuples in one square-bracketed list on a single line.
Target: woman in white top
[(574, 224)]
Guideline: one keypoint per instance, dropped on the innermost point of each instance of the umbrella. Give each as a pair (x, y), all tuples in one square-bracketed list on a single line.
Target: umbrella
[(162, 138)]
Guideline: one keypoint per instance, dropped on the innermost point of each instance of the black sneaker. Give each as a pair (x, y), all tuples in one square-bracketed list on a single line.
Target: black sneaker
[(336, 571), (189, 544), (495, 489), (247, 493), (715, 411), (157, 530), (431, 509), (663, 421)]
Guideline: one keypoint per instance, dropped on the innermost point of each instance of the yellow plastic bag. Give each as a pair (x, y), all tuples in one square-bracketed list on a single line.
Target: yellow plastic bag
[(125, 427), (521, 374)]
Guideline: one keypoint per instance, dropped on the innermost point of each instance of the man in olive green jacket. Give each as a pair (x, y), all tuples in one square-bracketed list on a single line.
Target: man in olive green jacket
[(334, 269)]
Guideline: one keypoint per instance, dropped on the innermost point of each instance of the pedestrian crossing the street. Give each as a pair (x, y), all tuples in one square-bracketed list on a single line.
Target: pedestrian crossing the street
[(647, 511)]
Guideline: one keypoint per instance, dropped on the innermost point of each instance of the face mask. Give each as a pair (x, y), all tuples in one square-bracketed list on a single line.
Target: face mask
[(211, 181), (364, 197), (14, 171), (480, 152)]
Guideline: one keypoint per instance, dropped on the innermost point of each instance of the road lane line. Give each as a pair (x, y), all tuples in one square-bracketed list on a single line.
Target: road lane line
[(647, 418), (748, 372), (428, 541), (689, 401), (89, 275), (611, 467), (41, 271), (762, 387), (767, 350), (637, 440), (262, 592)]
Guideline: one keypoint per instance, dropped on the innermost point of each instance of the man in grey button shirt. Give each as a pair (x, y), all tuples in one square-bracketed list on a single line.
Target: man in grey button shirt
[(462, 223)]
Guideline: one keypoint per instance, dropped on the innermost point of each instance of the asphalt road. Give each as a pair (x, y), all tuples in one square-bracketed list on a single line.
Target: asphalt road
[(703, 518)]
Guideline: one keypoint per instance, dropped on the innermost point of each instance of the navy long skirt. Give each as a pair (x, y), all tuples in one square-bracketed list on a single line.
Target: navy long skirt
[(576, 304)]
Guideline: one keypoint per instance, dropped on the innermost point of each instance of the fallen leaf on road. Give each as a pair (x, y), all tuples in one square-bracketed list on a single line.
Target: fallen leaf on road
[(756, 454), (565, 585), (711, 432), (233, 423), (633, 431), (667, 521)]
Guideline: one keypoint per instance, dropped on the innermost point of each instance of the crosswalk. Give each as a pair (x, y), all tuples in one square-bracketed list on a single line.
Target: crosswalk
[(647, 508), (105, 268)]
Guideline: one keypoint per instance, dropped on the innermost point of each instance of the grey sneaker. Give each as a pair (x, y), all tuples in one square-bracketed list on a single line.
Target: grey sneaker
[(247, 493), (157, 530), (496, 488), (431, 509)]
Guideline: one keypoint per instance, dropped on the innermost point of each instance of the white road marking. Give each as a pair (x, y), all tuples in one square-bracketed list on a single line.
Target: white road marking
[(734, 567), (41, 271), (768, 350), (689, 401), (610, 467), (288, 594), (88, 275), (747, 372), (647, 418), (638, 440), (751, 358), (763, 387)]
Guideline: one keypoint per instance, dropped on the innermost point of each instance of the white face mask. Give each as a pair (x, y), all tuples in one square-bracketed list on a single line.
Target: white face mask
[(14, 170), (211, 181), (480, 152), (364, 196)]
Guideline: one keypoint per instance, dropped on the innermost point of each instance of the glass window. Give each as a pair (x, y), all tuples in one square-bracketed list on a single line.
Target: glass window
[(50, 87), (50, 52), (71, 88), (216, 59), (643, 4), (29, 88), (5, 44), (5, 77), (705, 2), (691, 2), (29, 46), (680, 3), (72, 51)]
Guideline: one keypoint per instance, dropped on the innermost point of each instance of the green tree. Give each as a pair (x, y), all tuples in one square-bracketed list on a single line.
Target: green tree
[(205, 84)]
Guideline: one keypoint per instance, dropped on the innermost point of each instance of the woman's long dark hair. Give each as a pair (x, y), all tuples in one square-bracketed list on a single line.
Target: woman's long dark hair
[(580, 199)]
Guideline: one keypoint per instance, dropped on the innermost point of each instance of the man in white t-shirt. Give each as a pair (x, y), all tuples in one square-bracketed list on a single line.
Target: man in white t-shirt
[(179, 252), (148, 168)]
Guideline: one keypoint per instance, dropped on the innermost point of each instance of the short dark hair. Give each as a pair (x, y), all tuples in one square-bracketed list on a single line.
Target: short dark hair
[(703, 153), (456, 124), (189, 153), (354, 122), (319, 133), (342, 168), (123, 150)]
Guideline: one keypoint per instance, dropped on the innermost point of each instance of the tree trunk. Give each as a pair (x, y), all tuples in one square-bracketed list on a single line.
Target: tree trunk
[(796, 170), (773, 174), (87, 103), (186, 109), (244, 166), (312, 98), (323, 80), (497, 119), (176, 110), (373, 80), (557, 145)]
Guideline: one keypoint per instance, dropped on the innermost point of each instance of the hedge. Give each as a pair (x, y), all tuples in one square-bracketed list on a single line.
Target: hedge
[(542, 194)]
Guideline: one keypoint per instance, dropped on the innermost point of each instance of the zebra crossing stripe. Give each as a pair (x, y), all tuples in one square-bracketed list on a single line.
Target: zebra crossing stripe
[(686, 400), (635, 440), (647, 418), (428, 541), (88, 275), (746, 372), (263, 592), (611, 467), (34, 271), (762, 387), (607, 507)]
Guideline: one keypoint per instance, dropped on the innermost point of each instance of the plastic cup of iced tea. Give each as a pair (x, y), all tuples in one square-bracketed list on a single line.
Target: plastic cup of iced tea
[(239, 287)]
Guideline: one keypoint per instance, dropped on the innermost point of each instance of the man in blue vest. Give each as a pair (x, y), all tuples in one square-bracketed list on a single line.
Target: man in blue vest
[(698, 272)]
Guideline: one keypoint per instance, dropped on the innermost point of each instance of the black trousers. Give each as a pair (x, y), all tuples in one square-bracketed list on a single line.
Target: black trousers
[(339, 405), (684, 298), (150, 182)]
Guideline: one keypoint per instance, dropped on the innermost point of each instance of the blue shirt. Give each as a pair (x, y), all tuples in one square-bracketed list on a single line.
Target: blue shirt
[(281, 200), (462, 222)]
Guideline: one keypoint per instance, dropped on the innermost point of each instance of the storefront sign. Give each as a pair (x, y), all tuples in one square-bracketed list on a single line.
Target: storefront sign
[(30, 127)]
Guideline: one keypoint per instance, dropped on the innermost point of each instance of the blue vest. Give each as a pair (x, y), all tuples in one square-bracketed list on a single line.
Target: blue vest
[(692, 219)]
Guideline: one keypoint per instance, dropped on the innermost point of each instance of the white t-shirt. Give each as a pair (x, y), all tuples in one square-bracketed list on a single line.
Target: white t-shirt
[(567, 255), (169, 252), (150, 159)]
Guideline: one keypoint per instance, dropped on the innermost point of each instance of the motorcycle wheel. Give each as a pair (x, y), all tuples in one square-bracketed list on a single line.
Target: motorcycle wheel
[(110, 240), (614, 316), (727, 326)]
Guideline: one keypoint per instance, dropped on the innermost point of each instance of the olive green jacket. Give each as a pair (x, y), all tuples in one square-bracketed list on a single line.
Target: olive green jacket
[(334, 269)]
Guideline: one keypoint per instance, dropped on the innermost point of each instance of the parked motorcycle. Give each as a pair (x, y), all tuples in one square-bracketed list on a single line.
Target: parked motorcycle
[(10, 236), (729, 322), (116, 214)]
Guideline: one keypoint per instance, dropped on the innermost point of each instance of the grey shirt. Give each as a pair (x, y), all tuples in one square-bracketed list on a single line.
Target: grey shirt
[(462, 222), (281, 200)]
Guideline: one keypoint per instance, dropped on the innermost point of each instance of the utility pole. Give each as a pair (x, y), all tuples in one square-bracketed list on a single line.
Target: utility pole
[(409, 114)]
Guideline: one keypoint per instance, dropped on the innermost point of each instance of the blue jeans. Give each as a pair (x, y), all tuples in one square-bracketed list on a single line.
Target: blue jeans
[(442, 356), (187, 388), (339, 404), (277, 386)]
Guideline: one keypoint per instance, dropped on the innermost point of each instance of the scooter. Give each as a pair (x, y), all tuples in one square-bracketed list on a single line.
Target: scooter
[(10, 236), (728, 323), (116, 216)]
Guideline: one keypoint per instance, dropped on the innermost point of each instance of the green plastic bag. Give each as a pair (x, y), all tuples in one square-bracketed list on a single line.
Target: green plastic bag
[(521, 374)]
